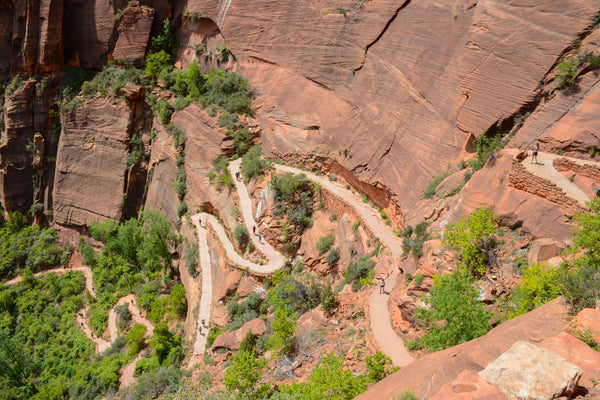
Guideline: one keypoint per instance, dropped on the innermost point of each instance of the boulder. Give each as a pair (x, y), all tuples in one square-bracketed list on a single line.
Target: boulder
[(542, 250), (232, 340), (527, 371), (248, 285), (468, 385), (232, 280)]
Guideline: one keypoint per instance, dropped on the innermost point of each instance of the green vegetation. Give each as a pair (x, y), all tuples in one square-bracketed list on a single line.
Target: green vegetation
[(360, 272), (329, 299), (165, 41), (284, 327), (414, 239), (294, 197), (333, 256), (355, 225), (430, 189), (486, 147), (31, 313), (249, 309), (219, 173), (379, 366), (325, 243), (569, 69), (253, 164), (243, 375), (538, 286), (473, 239), (453, 314), (23, 246), (329, 381), (240, 233)]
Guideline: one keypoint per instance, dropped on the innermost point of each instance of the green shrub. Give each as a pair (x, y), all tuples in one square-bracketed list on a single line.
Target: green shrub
[(220, 174), (413, 240), (165, 40), (253, 164), (538, 286), (430, 189), (294, 196), (242, 236), (136, 339), (333, 256), (240, 313), (379, 366), (355, 225), (566, 72), (284, 327), (157, 63), (243, 375), (360, 269), (325, 242), (473, 239), (453, 313), (418, 279), (329, 298)]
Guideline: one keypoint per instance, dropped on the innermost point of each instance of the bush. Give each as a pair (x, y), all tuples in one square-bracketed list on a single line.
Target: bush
[(413, 240), (355, 225), (333, 257), (418, 279), (253, 164), (486, 147), (242, 236), (220, 174), (243, 375), (379, 366), (324, 243), (453, 314), (136, 339), (156, 63), (284, 327), (473, 239), (360, 269), (329, 298), (294, 196), (538, 286), (430, 189)]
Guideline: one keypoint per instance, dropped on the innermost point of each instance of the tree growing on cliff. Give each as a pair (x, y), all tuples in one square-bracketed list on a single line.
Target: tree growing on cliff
[(472, 237), (453, 314)]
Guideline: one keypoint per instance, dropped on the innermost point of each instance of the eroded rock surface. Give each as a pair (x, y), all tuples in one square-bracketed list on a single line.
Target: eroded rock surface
[(527, 371), (90, 173)]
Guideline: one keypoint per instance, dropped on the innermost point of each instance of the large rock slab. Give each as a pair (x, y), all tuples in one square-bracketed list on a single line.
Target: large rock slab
[(90, 164), (527, 371), (542, 250), (16, 188), (134, 32), (468, 385), (588, 320)]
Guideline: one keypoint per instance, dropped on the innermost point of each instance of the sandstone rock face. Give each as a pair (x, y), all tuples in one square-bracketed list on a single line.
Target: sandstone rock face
[(468, 385), (247, 286), (90, 173), (527, 371), (16, 147), (408, 104), (542, 250), (588, 319), (134, 32), (543, 322), (232, 340), (90, 32)]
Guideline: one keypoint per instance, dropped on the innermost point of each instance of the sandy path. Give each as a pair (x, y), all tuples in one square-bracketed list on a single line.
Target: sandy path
[(381, 326), (545, 169)]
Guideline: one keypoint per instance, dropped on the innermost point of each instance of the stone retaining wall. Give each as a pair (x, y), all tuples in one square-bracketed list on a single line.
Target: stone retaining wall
[(588, 170), (522, 179)]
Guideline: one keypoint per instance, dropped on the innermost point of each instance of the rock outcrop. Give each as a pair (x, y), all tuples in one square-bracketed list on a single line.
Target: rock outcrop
[(527, 371), (232, 340), (134, 32), (91, 171)]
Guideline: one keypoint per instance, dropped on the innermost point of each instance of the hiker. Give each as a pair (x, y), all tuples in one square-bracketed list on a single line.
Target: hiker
[(237, 175), (534, 155), (381, 285), (259, 238), (254, 230)]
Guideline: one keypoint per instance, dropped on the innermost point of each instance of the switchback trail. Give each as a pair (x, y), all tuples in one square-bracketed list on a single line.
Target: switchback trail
[(101, 344), (385, 337)]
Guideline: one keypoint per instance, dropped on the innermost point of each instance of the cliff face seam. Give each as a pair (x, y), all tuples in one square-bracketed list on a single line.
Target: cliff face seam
[(383, 31)]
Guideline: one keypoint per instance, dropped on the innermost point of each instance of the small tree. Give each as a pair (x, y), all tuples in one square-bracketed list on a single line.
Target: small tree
[(240, 233), (473, 240), (453, 314), (379, 366), (253, 164), (243, 375), (284, 327), (136, 339), (325, 242)]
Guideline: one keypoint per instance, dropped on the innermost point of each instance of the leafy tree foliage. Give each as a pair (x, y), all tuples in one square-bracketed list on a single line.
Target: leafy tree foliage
[(253, 164), (453, 314), (329, 381), (294, 196), (538, 286), (241, 235), (27, 246), (136, 339), (360, 272), (473, 239), (284, 327), (243, 375), (379, 366), (324, 243)]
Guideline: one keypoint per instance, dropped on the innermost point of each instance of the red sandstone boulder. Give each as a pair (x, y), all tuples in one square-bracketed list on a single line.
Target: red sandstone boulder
[(542, 250), (134, 31), (528, 372), (232, 340), (248, 285), (588, 319)]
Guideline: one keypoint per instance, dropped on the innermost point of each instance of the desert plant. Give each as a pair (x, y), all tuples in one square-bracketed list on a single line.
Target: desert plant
[(325, 242)]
